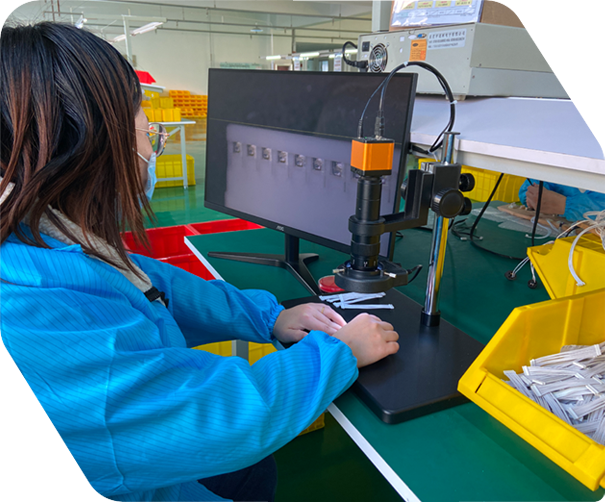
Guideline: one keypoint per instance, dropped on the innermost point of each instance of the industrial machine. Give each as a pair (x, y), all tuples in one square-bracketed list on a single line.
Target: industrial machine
[(477, 59)]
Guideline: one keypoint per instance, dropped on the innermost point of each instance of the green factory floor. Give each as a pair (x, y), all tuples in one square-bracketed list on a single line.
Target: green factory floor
[(323, 465)]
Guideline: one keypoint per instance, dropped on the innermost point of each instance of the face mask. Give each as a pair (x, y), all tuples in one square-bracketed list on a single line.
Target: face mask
[(151, 175)]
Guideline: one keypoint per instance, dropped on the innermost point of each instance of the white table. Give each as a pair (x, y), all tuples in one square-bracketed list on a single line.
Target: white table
[(545, 139), (153, 87), (173, 128)]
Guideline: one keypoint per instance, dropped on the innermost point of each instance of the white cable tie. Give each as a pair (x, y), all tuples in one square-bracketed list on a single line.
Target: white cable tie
[(373, 296), (348, 306)]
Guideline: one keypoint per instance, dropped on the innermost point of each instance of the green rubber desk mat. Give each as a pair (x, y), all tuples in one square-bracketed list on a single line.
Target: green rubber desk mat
[(452, 455)]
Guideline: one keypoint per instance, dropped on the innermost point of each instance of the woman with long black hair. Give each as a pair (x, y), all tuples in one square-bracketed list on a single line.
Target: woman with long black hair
[(103, 337)]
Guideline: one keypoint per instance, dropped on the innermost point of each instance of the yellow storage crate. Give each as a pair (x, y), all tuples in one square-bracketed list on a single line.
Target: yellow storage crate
[(158, 115), (155, 103), (151, 94), (171, 166), (150, 113), (258, 350), (146, 104), (550, 261), (485, 180), (173, 115), (530, 332), (508, 190), (166, 103), (320, 423), (218, 348)]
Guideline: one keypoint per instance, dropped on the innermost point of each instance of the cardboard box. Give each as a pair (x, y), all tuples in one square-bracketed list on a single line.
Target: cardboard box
[(529, 14), (517, 14)]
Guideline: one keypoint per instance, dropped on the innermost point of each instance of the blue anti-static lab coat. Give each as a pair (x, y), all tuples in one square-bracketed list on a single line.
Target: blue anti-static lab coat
[(144, 415), (577, 202)]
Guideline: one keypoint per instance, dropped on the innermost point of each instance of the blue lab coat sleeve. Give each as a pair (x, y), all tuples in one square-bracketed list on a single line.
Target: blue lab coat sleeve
[(577, 202), (213, 311), (94, 404), (143, 415)]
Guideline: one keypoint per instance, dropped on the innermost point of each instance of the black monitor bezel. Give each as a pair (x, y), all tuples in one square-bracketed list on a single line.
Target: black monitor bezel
[(405, 143)]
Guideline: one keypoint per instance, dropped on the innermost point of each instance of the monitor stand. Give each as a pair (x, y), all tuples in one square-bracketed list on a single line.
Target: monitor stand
[(292, 261)]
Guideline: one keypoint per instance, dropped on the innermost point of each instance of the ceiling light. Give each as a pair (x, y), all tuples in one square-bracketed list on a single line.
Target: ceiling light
[(256, 29), (309, 54), (146, 28), (119, 38), (269, 58), (351, 51)]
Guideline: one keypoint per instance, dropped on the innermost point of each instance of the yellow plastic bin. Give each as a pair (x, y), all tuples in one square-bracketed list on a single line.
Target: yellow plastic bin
[(530, 332), (166, 103), (171, 166), (218, 348), (258, 350), (173, 115), (550, 261)]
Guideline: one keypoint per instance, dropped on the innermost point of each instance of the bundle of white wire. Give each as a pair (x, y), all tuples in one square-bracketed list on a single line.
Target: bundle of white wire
[(570, 384), (597, 224)]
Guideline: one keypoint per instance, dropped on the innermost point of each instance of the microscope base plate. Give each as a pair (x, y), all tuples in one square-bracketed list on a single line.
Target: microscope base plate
[(422, 378)]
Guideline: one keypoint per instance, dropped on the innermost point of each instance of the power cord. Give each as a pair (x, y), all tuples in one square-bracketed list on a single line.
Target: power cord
[(382, 87), (470, 235), (356, 64)]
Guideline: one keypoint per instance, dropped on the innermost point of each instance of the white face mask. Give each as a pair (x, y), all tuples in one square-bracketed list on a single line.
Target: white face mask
[(152, 178)]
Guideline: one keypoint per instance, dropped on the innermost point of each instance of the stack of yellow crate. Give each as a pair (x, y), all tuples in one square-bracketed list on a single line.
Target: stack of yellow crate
[(160, 109), (192, 106)]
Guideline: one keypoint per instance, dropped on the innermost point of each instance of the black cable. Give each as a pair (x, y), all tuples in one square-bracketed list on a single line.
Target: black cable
[(417, 269), (379, 129), (360, 125), (537, 215), (486, 205), (476, 222), (356, 64)]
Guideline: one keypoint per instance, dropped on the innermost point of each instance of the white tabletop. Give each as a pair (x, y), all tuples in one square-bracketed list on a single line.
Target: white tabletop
[(153, 87), (545, 139), (180, 123)]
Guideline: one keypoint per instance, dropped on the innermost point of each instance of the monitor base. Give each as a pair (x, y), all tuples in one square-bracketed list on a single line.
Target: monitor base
[(292, 260)]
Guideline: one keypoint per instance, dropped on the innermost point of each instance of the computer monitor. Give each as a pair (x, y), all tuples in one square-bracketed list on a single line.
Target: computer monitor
[(279, 148)]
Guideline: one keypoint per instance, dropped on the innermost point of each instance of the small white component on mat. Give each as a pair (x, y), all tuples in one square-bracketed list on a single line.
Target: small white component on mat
[(350, 301), (350, 306)]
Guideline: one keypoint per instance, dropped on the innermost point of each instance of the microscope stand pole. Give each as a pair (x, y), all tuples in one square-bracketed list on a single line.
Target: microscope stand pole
[(430, 314)]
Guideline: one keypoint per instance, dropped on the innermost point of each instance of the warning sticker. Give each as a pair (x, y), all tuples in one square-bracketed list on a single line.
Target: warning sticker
[(443, 3), (418, 50), (447, 39)]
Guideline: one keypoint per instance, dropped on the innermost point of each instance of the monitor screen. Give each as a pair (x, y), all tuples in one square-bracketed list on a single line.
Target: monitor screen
[(279, 148)]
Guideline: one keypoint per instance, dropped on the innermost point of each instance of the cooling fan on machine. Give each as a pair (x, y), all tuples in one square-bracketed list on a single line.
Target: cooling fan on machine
[(378, 58)]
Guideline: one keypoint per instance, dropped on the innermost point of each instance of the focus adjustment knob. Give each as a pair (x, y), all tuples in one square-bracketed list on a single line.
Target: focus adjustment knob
[(448, 203), (468, 207), (467, 182)]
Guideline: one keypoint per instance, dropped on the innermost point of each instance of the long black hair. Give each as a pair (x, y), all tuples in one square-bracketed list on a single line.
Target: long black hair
[(68, 102)]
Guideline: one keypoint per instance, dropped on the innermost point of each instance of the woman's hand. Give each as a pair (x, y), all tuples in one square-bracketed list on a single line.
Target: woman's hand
[(369, 338), (552, 202), (292, 325)]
